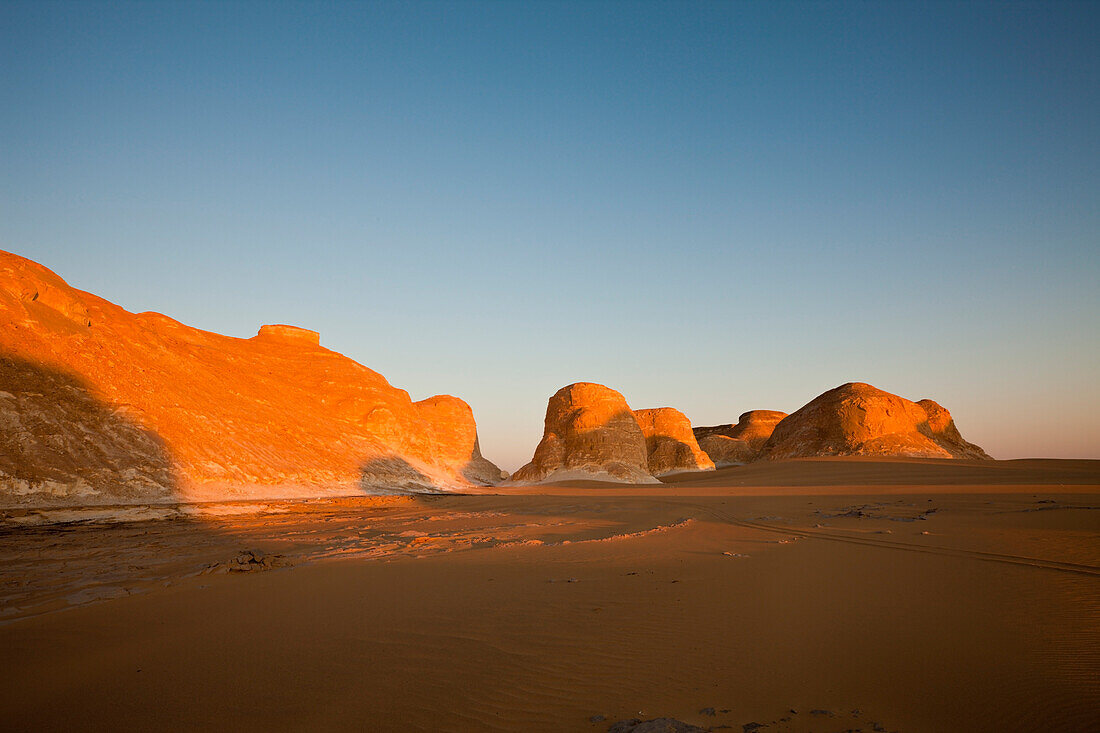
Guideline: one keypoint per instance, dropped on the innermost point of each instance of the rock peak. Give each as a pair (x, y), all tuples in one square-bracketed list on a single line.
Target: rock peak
[(289, 334)]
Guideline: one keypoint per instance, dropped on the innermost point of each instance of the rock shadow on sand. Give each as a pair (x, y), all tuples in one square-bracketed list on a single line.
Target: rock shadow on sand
[(90, 500)]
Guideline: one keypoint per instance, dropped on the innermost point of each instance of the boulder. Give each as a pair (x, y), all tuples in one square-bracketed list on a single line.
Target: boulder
[(858, 419), (670, 443), (589, 433)]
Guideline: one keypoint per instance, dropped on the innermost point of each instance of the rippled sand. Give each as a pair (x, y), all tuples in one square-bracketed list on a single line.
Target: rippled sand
[(895, 595)]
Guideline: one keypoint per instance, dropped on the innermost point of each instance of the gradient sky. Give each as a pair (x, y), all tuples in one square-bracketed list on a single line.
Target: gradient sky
[(712, 206)]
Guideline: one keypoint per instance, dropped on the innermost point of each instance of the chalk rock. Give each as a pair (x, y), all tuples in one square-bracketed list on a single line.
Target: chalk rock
[(726, 451), (749, 434), (100, 405), (289, 335), (589, 433), (858, 419), (670, 444), (454, 436)]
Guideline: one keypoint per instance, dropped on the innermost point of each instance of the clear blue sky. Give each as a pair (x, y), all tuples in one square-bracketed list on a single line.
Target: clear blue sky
[(713, 206)]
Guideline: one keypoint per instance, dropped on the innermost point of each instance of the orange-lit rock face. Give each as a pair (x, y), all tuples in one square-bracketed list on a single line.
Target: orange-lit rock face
[(589, 431), (756, 426), (670, 444), (454, 438), (858, 419), (289, 335), (102, 405), (743, 439)]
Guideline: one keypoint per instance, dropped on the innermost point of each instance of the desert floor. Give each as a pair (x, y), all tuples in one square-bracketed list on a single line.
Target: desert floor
[(821, 595)]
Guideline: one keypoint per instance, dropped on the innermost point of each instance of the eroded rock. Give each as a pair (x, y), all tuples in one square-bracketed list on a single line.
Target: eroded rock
[(589, 432), (670, 443), (751, 431), (107, 406), (726, 451), (858, 419)]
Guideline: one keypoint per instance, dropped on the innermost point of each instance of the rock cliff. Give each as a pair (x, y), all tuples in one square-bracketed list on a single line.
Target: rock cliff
[(100, 405)]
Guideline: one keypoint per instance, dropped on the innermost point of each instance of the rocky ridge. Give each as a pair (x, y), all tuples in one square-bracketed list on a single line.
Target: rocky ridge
[(101, 405)]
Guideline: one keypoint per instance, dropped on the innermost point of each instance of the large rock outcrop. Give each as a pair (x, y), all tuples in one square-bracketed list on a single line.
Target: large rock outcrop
[(589, 433), (100, 405), (738, 443), (858, 419), (670, 443)]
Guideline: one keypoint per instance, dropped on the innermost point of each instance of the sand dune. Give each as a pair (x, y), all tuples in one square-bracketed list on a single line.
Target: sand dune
[(910, 595)]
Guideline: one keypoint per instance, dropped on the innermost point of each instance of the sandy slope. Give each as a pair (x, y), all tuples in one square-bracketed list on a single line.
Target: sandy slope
[(926, 595)]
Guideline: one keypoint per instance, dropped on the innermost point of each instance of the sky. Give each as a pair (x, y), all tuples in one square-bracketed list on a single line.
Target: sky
[(711, 206)]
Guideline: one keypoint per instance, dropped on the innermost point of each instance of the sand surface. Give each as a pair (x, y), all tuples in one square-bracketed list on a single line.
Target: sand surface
[(862, 594)]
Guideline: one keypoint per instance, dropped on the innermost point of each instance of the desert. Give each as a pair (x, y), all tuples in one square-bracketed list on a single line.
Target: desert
[(567, 366), (248, 545), (892, 594)]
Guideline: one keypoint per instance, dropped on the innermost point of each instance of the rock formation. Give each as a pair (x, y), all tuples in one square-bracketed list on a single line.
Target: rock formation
[(726, 451), (100, 405), (670, 443), (589, 433), (289, 335), (738, 443), (858, 419), (454, 435)]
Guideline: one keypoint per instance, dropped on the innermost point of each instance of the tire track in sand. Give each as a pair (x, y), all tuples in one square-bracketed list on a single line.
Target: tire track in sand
[(806, 533)]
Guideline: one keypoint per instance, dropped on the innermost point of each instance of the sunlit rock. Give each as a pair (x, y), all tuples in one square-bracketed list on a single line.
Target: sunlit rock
[(589, 433), (289, 335), (670, 443), (100, 405), (858, 419), (739, 442)]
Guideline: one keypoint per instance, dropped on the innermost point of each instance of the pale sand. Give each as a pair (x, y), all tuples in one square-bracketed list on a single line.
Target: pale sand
[(812, 585)]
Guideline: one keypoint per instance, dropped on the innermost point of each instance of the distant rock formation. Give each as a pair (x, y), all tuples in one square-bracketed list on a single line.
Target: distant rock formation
[(589, 433), (100, 405), (726, 451), (858, 419), (670, 443), (738, 443)]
